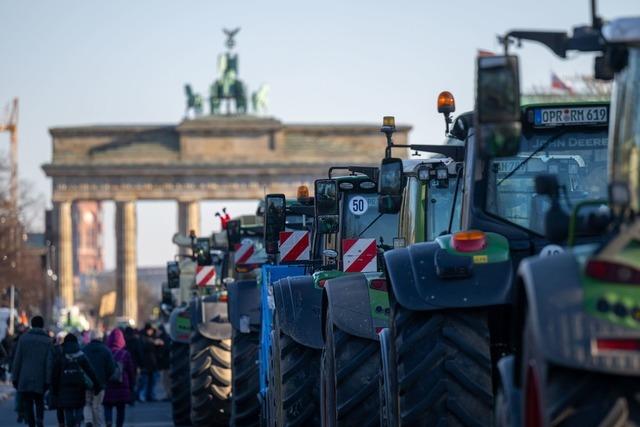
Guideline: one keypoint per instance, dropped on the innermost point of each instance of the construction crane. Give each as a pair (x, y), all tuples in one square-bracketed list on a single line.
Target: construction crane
[(10, 124)]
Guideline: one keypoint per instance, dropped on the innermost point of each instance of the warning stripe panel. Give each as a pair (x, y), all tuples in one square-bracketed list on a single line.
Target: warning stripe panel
[(294, 246), (243, 253), (205, 275), (359, 255)]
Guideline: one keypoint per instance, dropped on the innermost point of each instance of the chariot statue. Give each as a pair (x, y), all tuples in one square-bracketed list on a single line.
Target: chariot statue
[(228, 88), (228, 94)]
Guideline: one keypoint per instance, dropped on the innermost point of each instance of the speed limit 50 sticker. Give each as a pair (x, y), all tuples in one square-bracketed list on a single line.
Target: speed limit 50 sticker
[(358, 205)]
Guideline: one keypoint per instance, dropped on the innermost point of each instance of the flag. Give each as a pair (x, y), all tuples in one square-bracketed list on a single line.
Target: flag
[(484, 53), (557, 83)]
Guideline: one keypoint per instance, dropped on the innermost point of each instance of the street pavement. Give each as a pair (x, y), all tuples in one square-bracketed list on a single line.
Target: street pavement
[(154, 414)]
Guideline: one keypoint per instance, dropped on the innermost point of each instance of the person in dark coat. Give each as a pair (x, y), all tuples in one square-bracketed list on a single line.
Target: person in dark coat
[(70, 383), (57, 355), (134, 346), (104, 366), (119, 391), (164, 361), (31, 370), (149, 368)]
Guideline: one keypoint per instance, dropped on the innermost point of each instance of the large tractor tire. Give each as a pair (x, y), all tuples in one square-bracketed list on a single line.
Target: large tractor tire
[(350, 379), (245, 407), (563, 397), (443, 361), (180, 384), (293, 396), (210, 381)]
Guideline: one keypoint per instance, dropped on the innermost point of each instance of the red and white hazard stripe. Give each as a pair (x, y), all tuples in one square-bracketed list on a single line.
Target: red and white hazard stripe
[(243, 253), (294, 246), (205, 275), (359, 255)]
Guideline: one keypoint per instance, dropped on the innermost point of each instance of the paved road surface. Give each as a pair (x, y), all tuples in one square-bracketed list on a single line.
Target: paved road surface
[(156, 414)]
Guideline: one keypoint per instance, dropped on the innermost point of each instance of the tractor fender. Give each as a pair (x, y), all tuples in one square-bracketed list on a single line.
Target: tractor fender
[(299, 308), (563, 328), (348, 301), (244, 303), (180, 324), (210, 317), (417, 286), (511, 393)]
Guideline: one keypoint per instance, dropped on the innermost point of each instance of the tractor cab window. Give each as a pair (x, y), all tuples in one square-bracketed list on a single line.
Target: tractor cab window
[(299, 222), (438, 205), (625, 164), (577, 155), (360, 218), (426, 210)]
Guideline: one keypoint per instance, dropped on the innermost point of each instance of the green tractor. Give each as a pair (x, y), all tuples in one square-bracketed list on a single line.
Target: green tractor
[(356, 305), (345, 210), (578, 311), (245, 244), (198, 327), (451, 299)]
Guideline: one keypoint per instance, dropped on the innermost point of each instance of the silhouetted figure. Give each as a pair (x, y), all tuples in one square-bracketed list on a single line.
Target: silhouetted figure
[(31, 370)]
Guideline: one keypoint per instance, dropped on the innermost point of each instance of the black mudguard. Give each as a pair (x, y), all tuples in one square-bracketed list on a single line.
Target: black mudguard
[(244, 300), (299, 309), (416, 285), (210, 318), (348, 300), (564, 331)]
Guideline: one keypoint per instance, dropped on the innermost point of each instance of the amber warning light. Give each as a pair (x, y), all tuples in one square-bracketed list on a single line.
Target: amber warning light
[(303, 192), (469, 241), (446, 103)]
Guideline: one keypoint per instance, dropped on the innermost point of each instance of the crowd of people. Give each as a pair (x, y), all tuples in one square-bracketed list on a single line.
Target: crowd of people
[(87, 377)]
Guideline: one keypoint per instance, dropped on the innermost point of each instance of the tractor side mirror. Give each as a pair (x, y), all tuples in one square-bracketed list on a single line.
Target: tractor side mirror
[(233, 234), (274, 221), (326, 205), (556, 220), (390, 185), (173, 275), (202, 251), (498, 105)]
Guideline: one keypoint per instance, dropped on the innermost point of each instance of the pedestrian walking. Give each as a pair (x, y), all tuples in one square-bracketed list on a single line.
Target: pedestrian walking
[(134, 347), (72, 377), (57, 355), (164, 357), (120, 388), (31, 370), (103, 364), (149, 364)]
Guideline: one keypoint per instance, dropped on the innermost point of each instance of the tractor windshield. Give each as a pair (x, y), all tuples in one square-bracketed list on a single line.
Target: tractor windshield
[(576, 155), (625, 161), (439, 205), (361, 218)]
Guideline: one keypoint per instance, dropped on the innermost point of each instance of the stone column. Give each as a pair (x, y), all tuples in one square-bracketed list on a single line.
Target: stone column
[(188, 219), (126, 264), (65, 252)]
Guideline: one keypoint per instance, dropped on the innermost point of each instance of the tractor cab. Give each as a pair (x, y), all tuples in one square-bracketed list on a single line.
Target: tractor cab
[(245, 243), (349, 223)]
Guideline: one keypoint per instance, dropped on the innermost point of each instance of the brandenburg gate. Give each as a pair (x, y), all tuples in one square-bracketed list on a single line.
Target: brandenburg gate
[(211, 157)]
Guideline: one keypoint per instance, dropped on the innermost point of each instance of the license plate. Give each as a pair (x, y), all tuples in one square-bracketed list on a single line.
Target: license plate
[(570, 116)]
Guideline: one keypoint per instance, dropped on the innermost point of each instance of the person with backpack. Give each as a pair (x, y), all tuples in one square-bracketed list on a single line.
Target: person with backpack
[(104, 366), (72, 377), (120, 388), (31, 371)]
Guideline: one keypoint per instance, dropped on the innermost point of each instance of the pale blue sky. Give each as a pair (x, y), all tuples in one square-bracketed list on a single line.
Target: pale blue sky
[(85, 62)]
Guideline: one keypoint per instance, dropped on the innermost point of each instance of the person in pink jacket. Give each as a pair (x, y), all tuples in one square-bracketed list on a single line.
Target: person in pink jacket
[(119, 390)]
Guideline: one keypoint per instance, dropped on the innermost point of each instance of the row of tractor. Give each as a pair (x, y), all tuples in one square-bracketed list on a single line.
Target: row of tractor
[(491, 281)]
